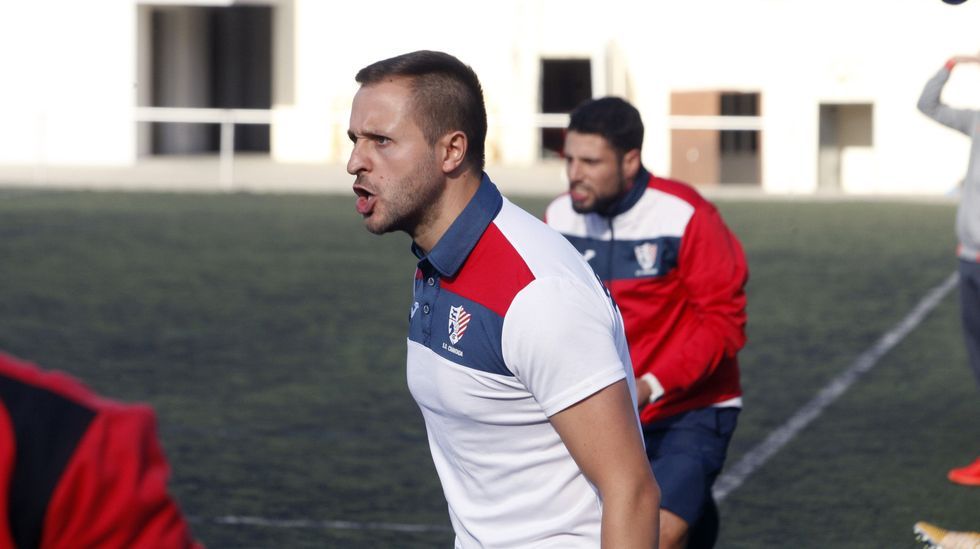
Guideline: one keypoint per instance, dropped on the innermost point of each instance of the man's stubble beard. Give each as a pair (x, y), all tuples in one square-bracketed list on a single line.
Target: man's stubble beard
[(413, 201)]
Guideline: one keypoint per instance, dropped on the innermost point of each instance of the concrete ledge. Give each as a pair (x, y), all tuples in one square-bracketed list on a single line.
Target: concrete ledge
[(262, 175)]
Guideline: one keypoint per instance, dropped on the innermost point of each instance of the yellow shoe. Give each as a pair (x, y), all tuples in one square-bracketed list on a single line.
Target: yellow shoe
[(929, 534), (935, 537)]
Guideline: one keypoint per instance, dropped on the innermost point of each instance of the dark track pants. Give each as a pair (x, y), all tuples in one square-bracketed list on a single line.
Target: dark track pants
[(970, 312)]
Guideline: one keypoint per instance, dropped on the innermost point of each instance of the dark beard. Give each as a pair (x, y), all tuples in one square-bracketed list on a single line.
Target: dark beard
[(605, 205)]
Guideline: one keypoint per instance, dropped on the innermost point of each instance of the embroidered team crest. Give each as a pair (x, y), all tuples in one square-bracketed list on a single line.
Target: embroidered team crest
[(459, 320), (646, 255)]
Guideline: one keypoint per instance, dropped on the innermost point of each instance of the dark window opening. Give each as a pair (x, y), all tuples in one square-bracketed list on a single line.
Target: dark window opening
[(739, 141), (564, 84), (208, 57), (845, 129), (552, 141)]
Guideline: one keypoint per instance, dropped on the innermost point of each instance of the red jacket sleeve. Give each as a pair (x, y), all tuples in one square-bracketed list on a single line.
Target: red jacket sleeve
[(114, 490), (713, 273), (7, 457)]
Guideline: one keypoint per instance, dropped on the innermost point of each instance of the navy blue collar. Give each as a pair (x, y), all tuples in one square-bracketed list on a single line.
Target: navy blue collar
[(632, 197), (454, 247)]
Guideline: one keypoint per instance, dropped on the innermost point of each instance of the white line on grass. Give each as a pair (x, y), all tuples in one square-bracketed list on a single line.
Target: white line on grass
[(330, 524), (757, 456)]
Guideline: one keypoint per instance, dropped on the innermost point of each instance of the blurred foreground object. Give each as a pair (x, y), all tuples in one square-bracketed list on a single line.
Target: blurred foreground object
[(79, 470), (935, 537)]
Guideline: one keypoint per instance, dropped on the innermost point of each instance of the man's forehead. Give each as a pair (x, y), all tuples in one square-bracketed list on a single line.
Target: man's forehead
[(587, 143), (383, 103)]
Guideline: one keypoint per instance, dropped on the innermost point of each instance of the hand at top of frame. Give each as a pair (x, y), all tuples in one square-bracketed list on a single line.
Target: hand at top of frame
[(964, 59)]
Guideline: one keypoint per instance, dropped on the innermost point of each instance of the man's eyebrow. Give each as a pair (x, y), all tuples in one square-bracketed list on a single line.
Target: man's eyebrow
[(369, 135), (581, 157)]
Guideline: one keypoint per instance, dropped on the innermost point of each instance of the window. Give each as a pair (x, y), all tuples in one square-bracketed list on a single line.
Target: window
[(564, 84), (209, 57), (704, 148), (739, 141)]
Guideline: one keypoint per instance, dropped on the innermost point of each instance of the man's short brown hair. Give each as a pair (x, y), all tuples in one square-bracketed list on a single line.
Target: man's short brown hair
[(446, 96)]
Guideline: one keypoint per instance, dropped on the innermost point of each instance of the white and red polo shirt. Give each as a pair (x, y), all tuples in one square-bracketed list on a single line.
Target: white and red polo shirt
[(510, 326)]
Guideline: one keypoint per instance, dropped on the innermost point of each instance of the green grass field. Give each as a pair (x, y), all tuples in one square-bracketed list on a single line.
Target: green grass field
[(269, 334)]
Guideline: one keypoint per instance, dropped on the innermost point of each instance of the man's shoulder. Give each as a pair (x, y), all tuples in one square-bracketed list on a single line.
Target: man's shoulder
[(679, 189), (493, 273), (20, 375), (514, 250), (543, 248), (32, 386)]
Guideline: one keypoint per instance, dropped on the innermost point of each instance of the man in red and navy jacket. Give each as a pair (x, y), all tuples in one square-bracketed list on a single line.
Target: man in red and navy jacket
[(678, 275), (77, 470)]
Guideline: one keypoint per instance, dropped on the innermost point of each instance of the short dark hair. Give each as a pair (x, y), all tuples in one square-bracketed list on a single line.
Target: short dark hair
[(446, 96), (611, 117)]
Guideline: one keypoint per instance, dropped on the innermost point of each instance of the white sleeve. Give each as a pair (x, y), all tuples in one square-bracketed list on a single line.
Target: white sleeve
[(560, 339)]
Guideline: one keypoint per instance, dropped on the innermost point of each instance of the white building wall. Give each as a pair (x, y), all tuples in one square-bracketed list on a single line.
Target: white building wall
[(68, 86), (504, 45), (71, 81)]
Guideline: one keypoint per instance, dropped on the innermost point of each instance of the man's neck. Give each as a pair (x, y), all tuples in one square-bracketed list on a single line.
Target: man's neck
[(458, 193), (629, 186)]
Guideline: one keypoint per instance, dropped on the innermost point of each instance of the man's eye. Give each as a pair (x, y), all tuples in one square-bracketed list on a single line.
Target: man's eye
[(382, 140)]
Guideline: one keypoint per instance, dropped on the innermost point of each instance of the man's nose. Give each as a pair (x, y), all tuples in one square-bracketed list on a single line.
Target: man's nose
[(357, 162), (574, 170)]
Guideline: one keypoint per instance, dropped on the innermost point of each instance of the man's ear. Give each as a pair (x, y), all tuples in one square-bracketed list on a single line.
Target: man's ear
[(631, 164), (452, 151)]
